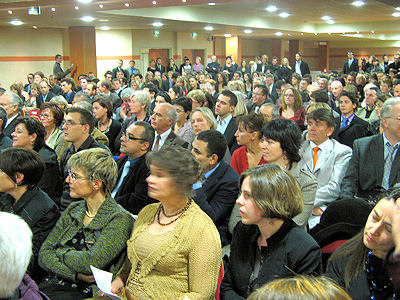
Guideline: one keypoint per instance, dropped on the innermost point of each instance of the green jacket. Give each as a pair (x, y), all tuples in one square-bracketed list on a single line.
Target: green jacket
[(105, 236)]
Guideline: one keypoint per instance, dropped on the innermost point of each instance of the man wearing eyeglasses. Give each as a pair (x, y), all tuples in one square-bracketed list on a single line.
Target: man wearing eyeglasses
[(79, 124), (131, 188), (375, 164)]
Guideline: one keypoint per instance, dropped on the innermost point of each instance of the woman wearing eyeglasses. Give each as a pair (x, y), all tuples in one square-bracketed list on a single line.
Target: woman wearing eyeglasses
[(92, 231), (20, 172), (52, 116)]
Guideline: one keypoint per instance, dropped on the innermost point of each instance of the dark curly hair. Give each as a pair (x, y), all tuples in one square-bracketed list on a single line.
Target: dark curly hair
[(180, 165), (288, 134)]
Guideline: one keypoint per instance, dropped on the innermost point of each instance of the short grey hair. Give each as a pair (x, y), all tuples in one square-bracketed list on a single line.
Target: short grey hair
[(143, 98), (127, 93), (15, 99), (275, 110), (208, 114), (15, 252), (387, 108), (171, 114), (84, 96), (60, 100), (85, 105)]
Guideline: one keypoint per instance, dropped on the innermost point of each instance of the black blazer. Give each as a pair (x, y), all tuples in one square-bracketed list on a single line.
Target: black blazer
[(274, 94), (116, 69), (356, 129), (39, 98), (10, 127), (174, 140), (160, 68), (132, 193), (5, 142), (303, 68), (353, 66), (365, 171), (217, 197), (230, 135), (263, 68)]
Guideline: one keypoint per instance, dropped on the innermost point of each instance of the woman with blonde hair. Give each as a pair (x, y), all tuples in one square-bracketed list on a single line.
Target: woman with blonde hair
[(292, 106), (285, 70), (300, 288), (240, 109)]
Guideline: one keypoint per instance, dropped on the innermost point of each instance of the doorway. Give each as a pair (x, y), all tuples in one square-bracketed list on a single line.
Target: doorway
[(192, 54), (162, 53)]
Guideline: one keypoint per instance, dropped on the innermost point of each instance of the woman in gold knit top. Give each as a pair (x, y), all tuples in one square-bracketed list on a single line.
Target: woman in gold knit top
[(175, 250)]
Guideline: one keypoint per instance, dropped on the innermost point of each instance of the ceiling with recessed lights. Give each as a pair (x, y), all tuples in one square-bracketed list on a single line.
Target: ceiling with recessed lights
[(308, 19)]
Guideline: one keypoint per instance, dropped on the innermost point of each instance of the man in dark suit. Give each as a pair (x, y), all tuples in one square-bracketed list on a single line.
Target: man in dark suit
[(300, 66), (349, 127), (118, 69), (131, 70), (217, 192), (351, 63), (213, 67), (5, 141), (45, 94), (375, 164), (159, 66), (260, 97), (131, 188), (105, 88), (67, 85), (12, 104), (163, 118), (57, 67), (269, 82), (226, 123)]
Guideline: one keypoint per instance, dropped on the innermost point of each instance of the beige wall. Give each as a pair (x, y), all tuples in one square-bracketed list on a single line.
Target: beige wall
[(26, 51)]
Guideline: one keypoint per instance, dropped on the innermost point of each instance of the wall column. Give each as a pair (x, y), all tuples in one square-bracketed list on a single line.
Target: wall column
[(295, 46), (82, 48), (233, 46), (323, 56), (277, 49)]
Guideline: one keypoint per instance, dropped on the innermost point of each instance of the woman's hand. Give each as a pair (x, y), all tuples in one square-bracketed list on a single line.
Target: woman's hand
[(123, 112), (117, 285), (85, 278)]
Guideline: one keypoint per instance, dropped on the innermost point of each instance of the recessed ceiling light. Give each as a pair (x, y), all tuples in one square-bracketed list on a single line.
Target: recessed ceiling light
[(330, 22), (358, 3), (101, 5), (154, 2), (209, 28), (16, 22), (247, 31), (278, 33), (211, 3), (104, 28), (396, 14), (127, 4), (34, 27), (157, 24), (227, 35), (289, 34), (271, 8), (372, 31), (183, 0), (326, 18), (103, 20), (87, 19), (53, 9), (76, 7), (10, 12), (284, 15), (84, 1)]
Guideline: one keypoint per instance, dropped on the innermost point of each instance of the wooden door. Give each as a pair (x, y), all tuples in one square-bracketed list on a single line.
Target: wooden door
[(162, 53), (192, 54)]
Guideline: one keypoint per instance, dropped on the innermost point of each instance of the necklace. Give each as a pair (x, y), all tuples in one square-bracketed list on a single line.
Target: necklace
[(179, 214), (89, 215), (377, 289)]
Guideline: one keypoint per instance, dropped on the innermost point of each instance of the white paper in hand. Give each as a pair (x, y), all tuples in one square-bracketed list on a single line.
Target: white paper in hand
[(103, 281)]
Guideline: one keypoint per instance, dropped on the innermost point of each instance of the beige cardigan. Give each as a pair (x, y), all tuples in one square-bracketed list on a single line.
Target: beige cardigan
[(187, 265)]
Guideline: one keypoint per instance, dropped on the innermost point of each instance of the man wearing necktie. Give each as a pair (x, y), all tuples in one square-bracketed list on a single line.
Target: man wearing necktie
[(325, 158), (375, 165)]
